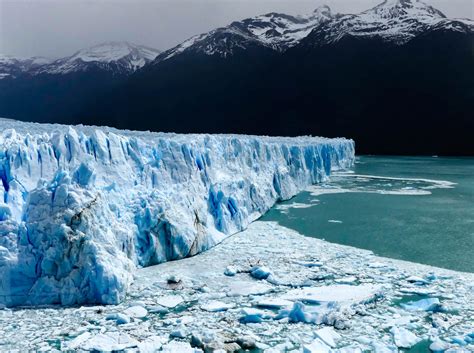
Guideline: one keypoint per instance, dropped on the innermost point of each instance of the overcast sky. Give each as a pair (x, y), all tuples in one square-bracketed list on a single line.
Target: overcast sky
[(56, 28)]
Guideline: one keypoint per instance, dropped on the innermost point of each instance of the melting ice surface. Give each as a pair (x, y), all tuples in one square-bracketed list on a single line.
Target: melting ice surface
[(415, 209), (82, 207)]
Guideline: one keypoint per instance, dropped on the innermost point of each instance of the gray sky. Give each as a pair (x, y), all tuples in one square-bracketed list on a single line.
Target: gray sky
[(60, 27)]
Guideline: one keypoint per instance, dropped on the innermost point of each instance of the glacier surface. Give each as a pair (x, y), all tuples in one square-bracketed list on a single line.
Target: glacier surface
[(82, 207)]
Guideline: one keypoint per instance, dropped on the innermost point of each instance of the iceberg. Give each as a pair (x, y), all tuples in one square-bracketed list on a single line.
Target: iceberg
[(82, 207)]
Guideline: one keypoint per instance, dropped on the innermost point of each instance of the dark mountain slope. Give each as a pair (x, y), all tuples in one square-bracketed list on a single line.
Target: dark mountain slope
[(397, 99)]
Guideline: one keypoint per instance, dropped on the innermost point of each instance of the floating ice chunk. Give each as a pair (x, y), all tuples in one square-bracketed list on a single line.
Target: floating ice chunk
[(417, 291), (379, 347), (404, 338), (79, 341), (334, 221), (260, 272), (458, 340), (340, 293), (438, 346), (119, 318), (216, 306), (181, 347), (328, 335), (170, 301), (157, 309), (377, 265), (428, 304), (417, 280), (302, 313), (151, 344), (346, 280), (309, 263), (109, 341), (230, 271), (173, 279), (179, 332), (273, 303), (137, 311), (317, 346), (251, 315), (245, 288)]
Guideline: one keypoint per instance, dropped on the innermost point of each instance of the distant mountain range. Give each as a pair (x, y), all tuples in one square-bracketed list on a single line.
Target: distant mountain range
[(398, 78)]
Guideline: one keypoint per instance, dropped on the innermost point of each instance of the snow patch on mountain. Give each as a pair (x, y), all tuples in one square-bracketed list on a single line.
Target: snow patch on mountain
[(82, 207), (273, 30), (117, 57), (395, 21), (11, 66)]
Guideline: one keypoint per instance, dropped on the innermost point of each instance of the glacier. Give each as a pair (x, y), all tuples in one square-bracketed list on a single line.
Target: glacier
[(82, 207)]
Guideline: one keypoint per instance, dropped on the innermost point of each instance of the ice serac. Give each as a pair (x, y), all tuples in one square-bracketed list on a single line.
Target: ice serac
[(82, 207)]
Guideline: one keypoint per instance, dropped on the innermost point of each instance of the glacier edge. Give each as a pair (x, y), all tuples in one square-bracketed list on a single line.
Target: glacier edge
[(82, 207)]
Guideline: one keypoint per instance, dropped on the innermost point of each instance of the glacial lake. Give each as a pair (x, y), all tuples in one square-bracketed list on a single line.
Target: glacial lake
[(419, 209)]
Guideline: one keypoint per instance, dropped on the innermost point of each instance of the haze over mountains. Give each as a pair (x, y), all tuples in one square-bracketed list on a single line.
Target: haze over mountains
[(398, 78)]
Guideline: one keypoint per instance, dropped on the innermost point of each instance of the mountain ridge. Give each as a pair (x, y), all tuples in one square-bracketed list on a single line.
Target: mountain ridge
[(401, 64)]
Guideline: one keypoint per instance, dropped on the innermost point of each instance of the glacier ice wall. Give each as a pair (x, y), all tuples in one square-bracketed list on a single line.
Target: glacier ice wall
[(81, 207)]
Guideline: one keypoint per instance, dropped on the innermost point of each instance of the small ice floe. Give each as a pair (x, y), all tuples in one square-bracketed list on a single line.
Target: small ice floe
[(346, 280), (417, 280), (120, 319), (404, 338), (377, 265), (417, 291), (179, 332), (273, 303), (303, 313), (245, 288), (458, 340), (309, 263), (169, 301), (230, 271), (260, 272), (151, 344), (328, 335), (427, 304), (379, 347), (157, 309), (285, 208), (339, 293), (251, 315), (79, 341), (108, 342), (136, 311), (181, 347), (334, 221), (438, 346), (216, 306), (317, 346)]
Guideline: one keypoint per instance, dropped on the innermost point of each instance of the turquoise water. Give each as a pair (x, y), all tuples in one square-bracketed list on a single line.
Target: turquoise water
[(385, 205)]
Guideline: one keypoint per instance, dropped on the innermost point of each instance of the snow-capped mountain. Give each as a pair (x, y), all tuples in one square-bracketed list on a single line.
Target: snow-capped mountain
[(114, 57), (396, 21), (119, 57), (273, 30), (274, 74), (11, 66)]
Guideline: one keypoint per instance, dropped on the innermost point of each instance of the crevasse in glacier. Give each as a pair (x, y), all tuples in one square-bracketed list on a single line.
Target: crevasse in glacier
[(81, 207)]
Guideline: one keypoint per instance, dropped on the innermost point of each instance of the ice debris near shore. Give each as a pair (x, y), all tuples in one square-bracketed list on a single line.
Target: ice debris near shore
[(82, 207), (210, 311)]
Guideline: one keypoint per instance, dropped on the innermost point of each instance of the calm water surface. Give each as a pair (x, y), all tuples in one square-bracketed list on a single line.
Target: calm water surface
[(415, 209)]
